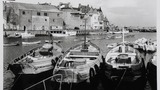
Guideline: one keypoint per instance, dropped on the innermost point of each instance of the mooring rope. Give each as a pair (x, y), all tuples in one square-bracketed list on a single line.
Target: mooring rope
[(16, 80), (121, 79)]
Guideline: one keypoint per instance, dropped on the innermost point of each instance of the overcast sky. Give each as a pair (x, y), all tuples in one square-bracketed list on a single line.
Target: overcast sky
[(119, 12)]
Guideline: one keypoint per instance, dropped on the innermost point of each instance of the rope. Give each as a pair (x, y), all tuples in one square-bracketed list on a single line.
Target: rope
[(121, 79), (71, 81), (43, 81), (16, 80)]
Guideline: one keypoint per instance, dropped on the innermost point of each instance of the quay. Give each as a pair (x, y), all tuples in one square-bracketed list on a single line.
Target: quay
[(46, 32)]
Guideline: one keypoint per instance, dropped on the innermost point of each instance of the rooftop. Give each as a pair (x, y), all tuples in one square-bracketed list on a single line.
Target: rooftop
[(36, 7)]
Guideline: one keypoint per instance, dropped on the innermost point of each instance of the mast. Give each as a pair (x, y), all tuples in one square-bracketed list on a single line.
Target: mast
[(85, 18), (123, 45), (123, 35)]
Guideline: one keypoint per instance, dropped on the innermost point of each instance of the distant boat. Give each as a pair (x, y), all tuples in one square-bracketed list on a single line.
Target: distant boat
[(152, 71), (118, 36), (150, 46), (15, 35), (63, 33), (112, 45), (11, 44), (27, 35), (30, 43), (118, 32)]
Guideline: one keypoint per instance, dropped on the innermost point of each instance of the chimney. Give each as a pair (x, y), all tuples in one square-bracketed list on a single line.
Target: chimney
[(79, 5)]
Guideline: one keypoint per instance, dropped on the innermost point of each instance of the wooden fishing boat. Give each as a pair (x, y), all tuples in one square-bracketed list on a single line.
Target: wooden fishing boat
[(30, 43), (79, 63), (36, 60), (152, 72), (123, 64)]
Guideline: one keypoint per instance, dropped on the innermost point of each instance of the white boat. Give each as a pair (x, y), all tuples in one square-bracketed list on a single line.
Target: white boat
[(15, 35), (62, 33), (123, 63), (37, 60), (30, 43), (26, 34), (150, 46), (112, 45), (118, 32), (118, 37), (79, 63), (140, 43)]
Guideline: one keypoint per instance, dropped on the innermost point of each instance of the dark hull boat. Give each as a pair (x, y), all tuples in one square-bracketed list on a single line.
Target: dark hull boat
[(123, 64), (152, 72), (35, 65)]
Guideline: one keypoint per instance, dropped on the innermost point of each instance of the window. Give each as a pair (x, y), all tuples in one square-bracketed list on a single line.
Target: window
[(45, 14), (53, 20), (23, 12), (29, 20), (38, 13), (45, 19), (58, 14), (100, 22)]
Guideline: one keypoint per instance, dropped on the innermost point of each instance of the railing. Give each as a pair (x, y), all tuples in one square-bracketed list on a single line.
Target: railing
[(43, 81)]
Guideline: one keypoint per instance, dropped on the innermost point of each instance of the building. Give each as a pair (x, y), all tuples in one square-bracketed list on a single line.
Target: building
[(34, 16), (82, 17)]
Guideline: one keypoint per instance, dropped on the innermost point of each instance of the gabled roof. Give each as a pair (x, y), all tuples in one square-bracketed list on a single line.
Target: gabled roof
[(36, 7)]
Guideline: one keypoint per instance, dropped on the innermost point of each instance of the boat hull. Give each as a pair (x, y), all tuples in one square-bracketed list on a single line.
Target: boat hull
[(152, 75), (115, 79), (23, 81)]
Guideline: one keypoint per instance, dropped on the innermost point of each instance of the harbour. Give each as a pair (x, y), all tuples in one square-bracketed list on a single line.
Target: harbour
[(67, 42), (73, 46)]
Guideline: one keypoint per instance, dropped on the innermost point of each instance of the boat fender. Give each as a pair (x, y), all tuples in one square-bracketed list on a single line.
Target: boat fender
[(53, 62), (56, 59)]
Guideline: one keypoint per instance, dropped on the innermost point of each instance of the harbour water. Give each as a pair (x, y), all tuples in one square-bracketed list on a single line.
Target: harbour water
[(14, 51)]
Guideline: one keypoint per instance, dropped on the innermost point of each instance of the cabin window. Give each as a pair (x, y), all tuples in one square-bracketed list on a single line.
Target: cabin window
[(45, 14), (29, 20), (23, 12), (58, 14), (38, 13)]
